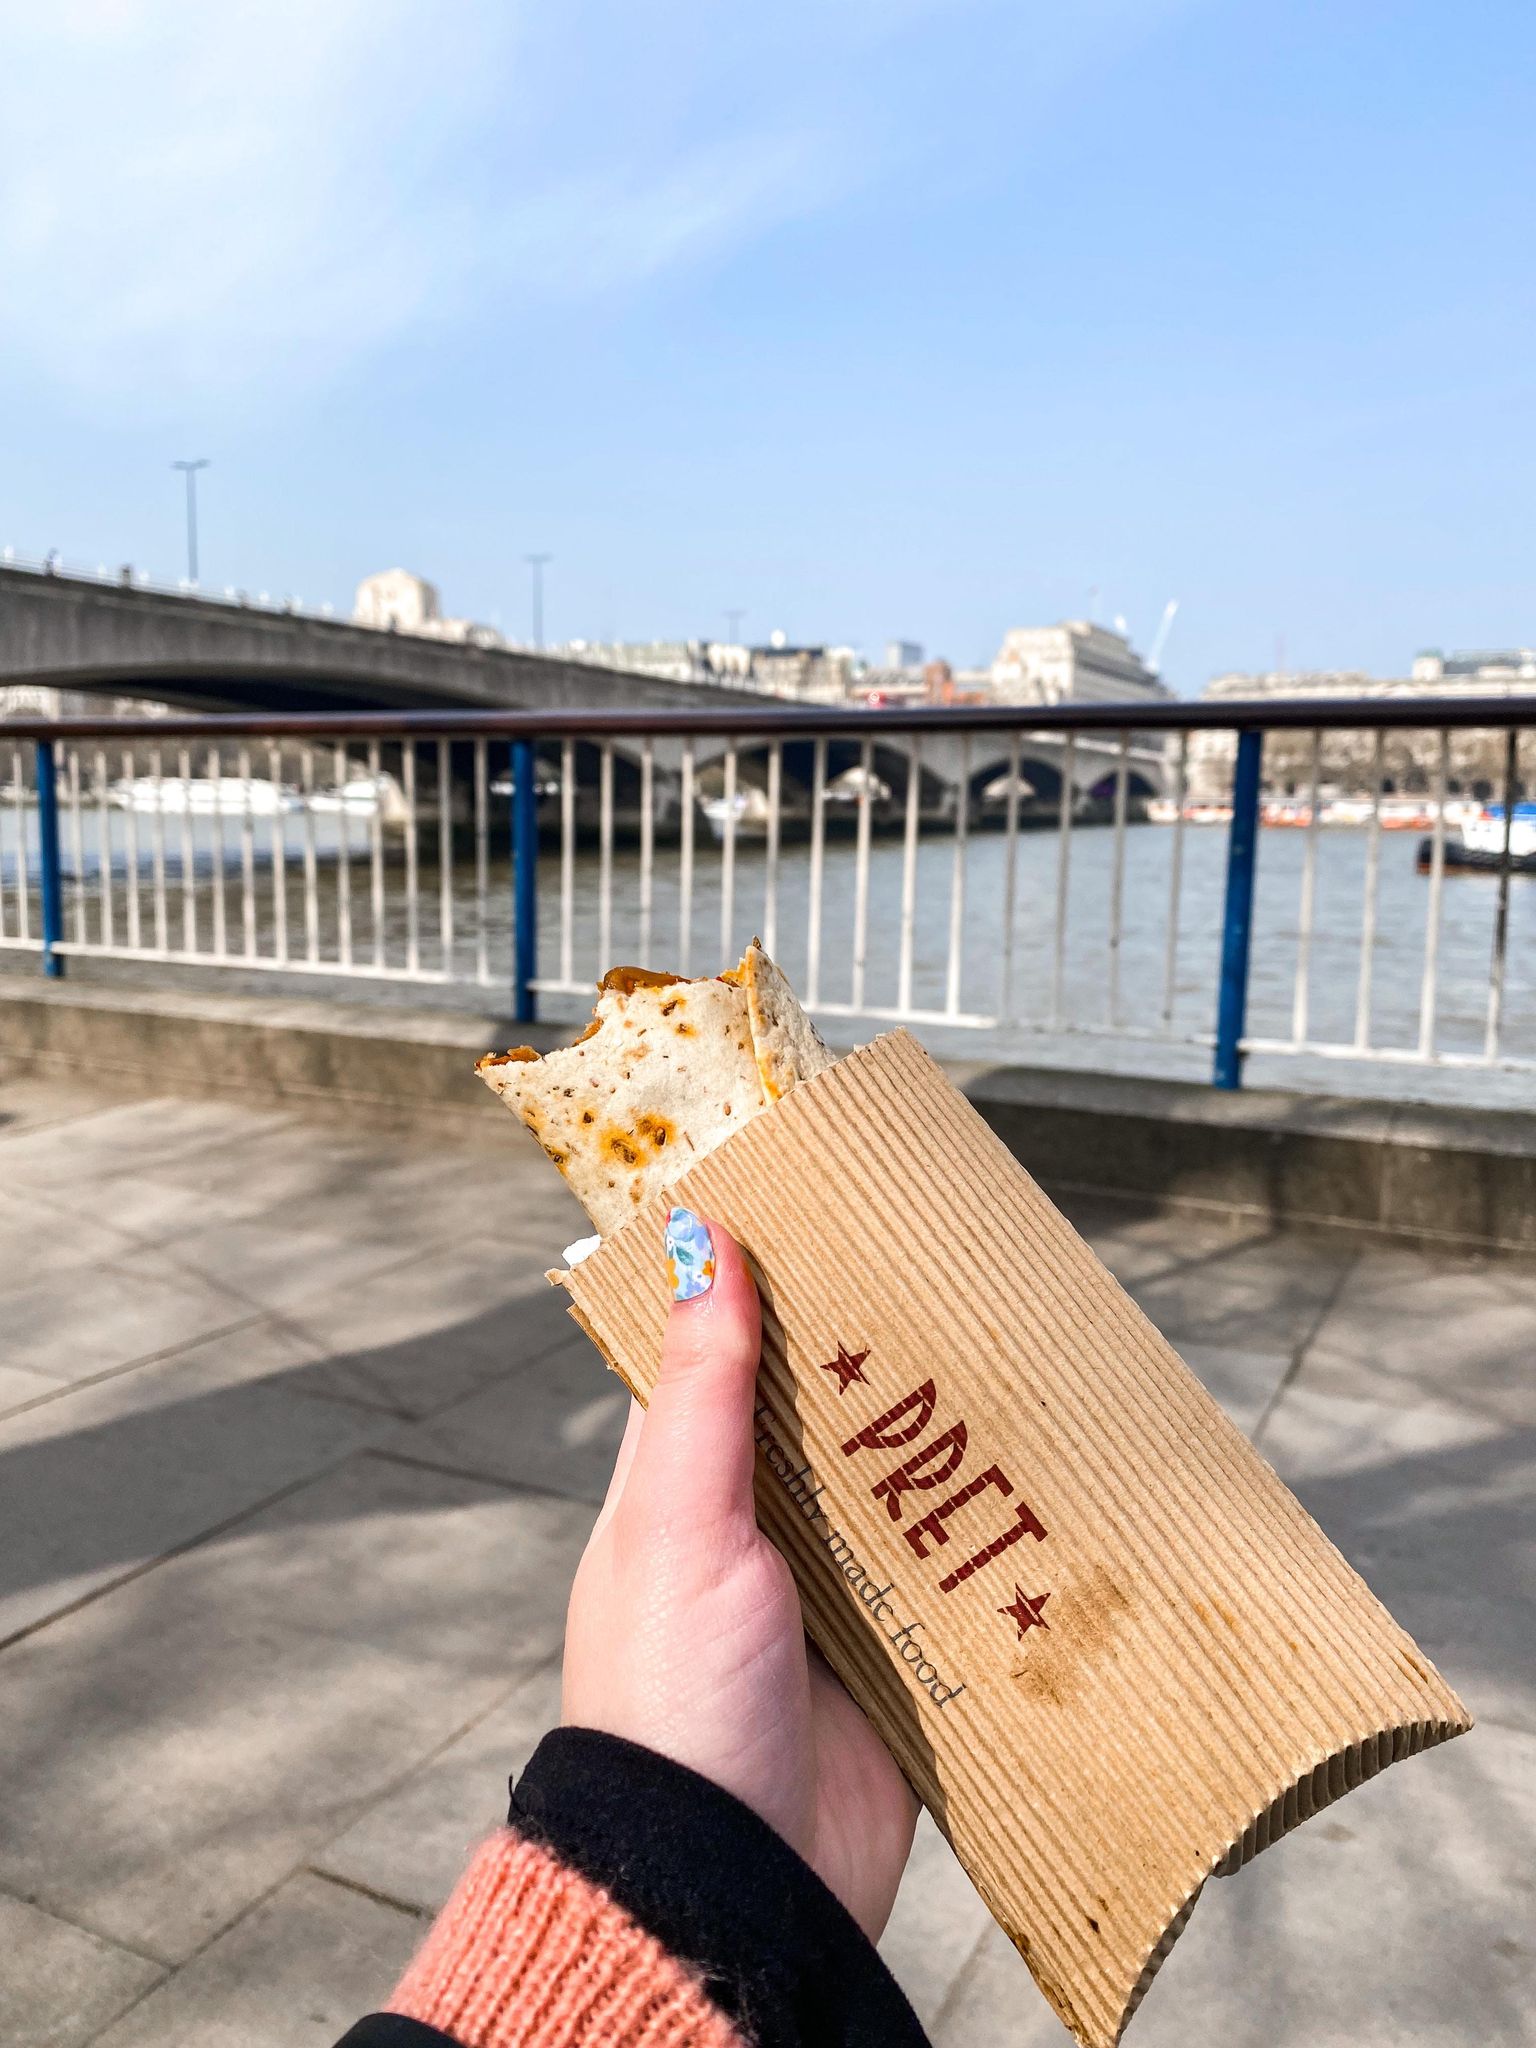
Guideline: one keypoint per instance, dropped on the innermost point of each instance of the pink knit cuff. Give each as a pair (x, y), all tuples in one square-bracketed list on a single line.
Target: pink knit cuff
[(526, 1954)]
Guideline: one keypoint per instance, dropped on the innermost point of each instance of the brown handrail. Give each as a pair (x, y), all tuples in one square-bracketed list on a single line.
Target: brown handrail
[(781, 720)]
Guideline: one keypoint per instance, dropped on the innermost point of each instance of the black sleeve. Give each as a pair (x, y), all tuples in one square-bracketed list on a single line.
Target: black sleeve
[(717, 1887)]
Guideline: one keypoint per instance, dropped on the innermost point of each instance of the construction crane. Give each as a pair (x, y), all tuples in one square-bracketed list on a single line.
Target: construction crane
[(1160, 638)]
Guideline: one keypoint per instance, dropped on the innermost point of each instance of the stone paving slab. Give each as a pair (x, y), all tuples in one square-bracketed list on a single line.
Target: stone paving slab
[(1415, 1328), (412, 1845), (425, 1335), (1432, 1505), (295, 1973), (1244, 1382), (555, 1422), (118, 1314), (18, 1388), (174, 1749), (106, 1138), (1401, 1916), (29, 1102), (147, 1461), (1220, 1282), (58, 1986)]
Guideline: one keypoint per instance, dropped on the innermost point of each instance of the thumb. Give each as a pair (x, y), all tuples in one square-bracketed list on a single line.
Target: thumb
[(696, 1442)]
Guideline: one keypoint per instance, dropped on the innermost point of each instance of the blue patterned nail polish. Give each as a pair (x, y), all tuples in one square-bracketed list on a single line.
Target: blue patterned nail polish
[(690, 1255)]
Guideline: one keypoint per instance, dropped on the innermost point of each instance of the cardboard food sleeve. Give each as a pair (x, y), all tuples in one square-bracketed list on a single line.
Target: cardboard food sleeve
[(1110, 1650)]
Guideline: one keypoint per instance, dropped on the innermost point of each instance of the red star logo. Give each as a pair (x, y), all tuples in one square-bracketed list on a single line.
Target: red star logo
[(846, 1365), (1026, 1612)]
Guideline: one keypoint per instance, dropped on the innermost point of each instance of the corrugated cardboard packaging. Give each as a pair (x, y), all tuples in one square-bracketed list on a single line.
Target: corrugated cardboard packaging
[(1109, 1648)]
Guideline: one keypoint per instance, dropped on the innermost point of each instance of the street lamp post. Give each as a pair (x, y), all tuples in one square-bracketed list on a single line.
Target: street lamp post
[(536, 564), (190, 470)]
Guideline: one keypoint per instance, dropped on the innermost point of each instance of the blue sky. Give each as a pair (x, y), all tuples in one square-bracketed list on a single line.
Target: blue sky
[(874, 318)]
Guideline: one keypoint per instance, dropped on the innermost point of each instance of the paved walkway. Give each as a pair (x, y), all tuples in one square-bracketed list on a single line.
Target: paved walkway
[(297, 1453)]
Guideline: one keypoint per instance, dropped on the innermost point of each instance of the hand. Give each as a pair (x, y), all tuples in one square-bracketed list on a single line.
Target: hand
[(684, 1631)]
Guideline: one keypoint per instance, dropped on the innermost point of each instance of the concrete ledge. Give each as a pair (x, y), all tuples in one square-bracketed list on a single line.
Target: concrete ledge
[(1462, 1179), (1455, 1177)]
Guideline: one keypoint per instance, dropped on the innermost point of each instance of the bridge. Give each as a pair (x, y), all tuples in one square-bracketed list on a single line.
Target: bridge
[(202, 653)]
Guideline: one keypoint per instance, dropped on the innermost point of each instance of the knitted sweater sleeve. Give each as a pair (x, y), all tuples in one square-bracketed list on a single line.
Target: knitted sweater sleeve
[(527, 1954), (630, 1903)]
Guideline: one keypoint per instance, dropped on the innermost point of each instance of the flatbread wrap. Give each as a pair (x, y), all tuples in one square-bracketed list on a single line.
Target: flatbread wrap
[(667, 1069)]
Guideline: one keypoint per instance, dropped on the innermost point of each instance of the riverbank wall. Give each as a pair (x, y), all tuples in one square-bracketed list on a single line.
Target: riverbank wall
[(1462, 1179)]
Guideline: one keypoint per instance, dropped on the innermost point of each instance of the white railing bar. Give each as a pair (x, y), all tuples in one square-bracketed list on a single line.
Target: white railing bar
[(340, 775), (19, 820), (1429, 985), (311, 872), (1175, 886), (376, 859), (861, 873), (23, 883), (131, 853), (77, 844), (220, 908), (247, 855), (1117, 877), (1067, 805), (188, 856), (605, 856), (156, 853), (967, 1020), (1501, 910), (104, 849), (647, 844), (909, 872), (728, 855), (1306, 915), (19, 823), (771, 853), (482, 863), (21, 849), (957, 883), (1010, 877), (567, 856), (412, 856), (277, 851), (818, 855), (445, 857), (685, 865), (176, 957), (1368, 915), (1393, 1055)]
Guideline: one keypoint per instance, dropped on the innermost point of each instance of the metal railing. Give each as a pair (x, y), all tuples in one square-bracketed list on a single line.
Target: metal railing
[(911, 865)]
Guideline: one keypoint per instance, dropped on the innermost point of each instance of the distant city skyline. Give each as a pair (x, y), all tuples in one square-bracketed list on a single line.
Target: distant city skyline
[(916, 322)]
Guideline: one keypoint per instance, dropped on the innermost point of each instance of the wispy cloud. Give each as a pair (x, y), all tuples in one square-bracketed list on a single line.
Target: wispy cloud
[(194, 196), (199, 200)]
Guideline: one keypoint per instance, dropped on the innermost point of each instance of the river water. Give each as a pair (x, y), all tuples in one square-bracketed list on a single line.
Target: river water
[(1088, 1002)]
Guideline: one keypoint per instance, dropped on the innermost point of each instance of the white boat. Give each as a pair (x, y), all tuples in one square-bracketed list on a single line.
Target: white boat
[(363, 796), (854, 784), (203, 796), (750, 808), (1480, 843), (1484, 834)]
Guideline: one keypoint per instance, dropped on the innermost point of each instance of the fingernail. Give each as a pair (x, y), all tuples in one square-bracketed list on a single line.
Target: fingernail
[(690, 1255)]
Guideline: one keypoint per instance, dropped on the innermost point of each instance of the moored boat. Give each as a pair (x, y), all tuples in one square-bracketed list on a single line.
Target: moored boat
[(1480, 845)]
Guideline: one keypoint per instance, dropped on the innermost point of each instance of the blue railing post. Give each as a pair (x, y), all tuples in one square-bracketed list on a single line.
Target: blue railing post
[(525, 883), (1237, 920), (51, 876)]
